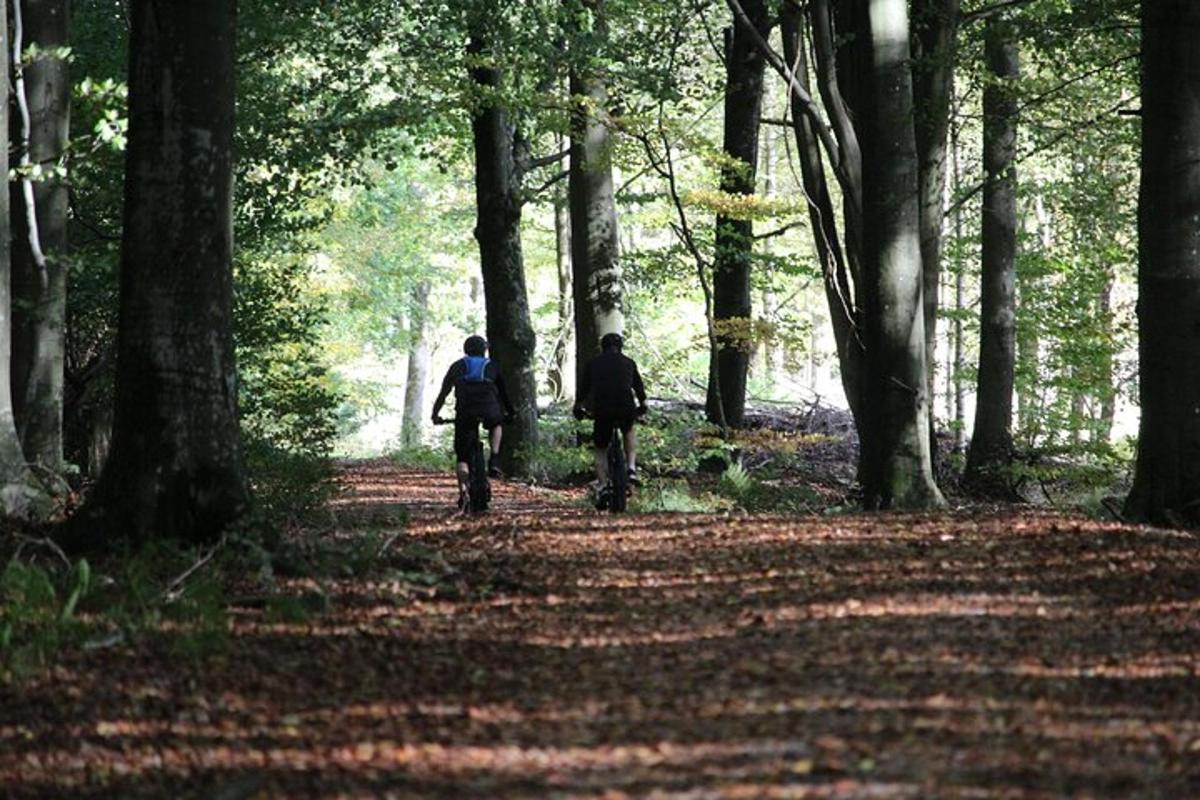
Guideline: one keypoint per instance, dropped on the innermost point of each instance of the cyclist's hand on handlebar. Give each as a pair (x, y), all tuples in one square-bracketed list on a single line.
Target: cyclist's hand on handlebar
[(642, 410), (578, 412)]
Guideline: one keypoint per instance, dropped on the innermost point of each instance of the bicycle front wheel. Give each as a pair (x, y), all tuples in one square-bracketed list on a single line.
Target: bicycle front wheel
[(618, 478)]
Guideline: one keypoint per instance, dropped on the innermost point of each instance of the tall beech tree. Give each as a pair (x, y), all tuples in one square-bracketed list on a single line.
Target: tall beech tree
[(744, 66), (557, 374), (499, 169), (596, 272), (874, 278), (39, 225), (990, 450), (896, 462), (175, 470), (1166, 485), (18, 495), (837, 272), (417, 373), (935, 48)]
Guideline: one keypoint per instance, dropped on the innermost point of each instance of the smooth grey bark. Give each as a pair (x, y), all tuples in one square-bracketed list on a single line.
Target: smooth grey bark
[(39, 273), (1030, 403), (557, 377), (769, 353), (175, 470), (1166, 484), (18, 496), (960, 302), (935, 46), (897, 463), (510, 335), (596, 271), (744, 66), (990, 450), (1102, 432), (417, 373)]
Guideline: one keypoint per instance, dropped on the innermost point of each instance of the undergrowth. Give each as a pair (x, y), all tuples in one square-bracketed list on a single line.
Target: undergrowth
[(177, 599)]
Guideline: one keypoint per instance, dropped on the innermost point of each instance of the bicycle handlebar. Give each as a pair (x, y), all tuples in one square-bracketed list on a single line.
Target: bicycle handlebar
[(638, 416), (451, 420)]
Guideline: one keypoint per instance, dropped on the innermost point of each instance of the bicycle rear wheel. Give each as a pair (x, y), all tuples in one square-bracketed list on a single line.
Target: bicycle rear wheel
[(479, 491), (618, 478)]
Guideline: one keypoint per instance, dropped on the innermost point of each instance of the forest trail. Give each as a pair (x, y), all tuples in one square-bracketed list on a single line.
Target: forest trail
[(545, 650)]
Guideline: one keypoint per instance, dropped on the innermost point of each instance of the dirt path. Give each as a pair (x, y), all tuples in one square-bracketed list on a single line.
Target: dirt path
[(574, 655)]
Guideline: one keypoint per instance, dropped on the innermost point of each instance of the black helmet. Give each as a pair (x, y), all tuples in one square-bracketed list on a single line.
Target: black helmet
[(475, 346), (611, 341)]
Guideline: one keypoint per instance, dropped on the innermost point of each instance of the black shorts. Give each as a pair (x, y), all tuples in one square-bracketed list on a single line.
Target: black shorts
[(466, 434), (602, 428)]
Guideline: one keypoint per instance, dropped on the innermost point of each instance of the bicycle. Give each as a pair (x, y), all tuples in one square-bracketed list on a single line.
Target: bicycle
[(478, 495), (617, 488)]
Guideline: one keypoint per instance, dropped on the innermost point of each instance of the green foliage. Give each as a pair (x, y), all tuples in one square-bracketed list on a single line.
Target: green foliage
[(672, 496), (37, 613), (144, 595), (424, 457), (736, 483), (564, 451)]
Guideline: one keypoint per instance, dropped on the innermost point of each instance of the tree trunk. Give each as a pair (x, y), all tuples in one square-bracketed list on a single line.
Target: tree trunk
[(1166, 485), (17, 494), (990, 451), (1102, 430), (744, 65), (960, 302), (768, 351), (175, 470), (498, 231), (562, 262), (935, 45), (898, 469), (418, 367), (595, 269), (1030, 401), (39, 271), (823, 222)]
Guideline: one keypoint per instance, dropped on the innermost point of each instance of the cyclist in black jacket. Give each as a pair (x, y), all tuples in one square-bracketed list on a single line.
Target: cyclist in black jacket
[(609, 386), (479, 397)]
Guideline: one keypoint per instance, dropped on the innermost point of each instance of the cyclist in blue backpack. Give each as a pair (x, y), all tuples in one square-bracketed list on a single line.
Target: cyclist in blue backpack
[(479, 397)]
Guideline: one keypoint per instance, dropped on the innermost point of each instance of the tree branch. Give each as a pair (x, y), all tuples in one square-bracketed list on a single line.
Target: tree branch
[(547, 160), (778, 231), (557, 177), (980, 14), (780, 66)]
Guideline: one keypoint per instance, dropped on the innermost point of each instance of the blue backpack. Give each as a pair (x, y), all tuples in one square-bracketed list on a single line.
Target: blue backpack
[(476, 369)]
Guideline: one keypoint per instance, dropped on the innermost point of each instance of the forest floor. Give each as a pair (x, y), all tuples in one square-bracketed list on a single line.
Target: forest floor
[(546, 650)]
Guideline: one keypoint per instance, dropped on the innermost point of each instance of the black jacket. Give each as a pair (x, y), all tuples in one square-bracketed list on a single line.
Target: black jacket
[(610, 383)]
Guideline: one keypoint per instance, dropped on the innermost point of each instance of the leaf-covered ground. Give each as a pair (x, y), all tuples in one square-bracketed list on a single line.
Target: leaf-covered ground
[(548, 651)]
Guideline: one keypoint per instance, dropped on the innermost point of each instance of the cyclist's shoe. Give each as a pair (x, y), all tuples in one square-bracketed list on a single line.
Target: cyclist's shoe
[(463, 500), (634, 480), (494, 468), (604, 498)]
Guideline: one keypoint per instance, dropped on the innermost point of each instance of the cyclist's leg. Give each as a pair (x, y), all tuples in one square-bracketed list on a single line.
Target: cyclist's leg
[(495, 429), (602, 430), (466, 434), (495, 437), (630, 433)]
